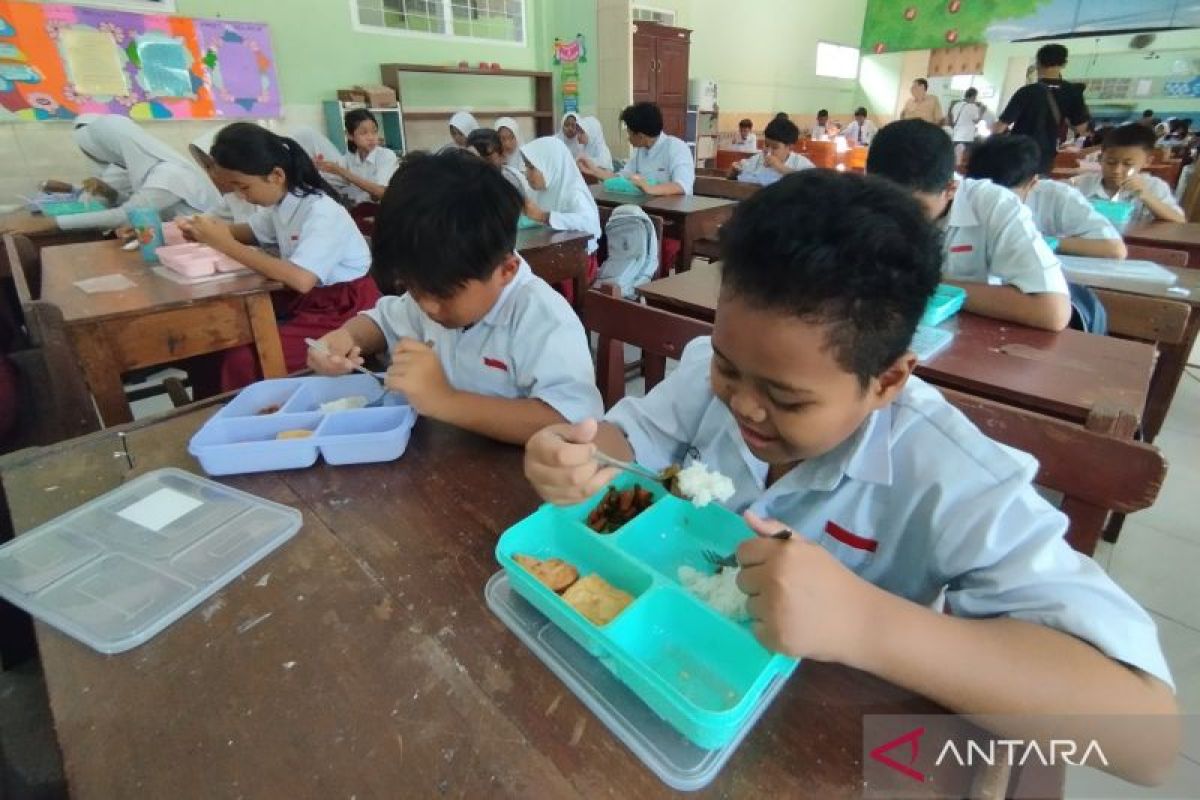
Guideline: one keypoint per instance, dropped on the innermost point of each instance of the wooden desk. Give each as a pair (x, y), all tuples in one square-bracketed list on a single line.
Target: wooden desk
[(691, 217), (375, 667), (556, 256), (158, 321), (1070, 375), (1171, 235)]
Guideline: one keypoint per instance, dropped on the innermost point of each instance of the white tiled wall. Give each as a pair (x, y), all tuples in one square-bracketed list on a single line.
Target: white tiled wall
[(30, 152)]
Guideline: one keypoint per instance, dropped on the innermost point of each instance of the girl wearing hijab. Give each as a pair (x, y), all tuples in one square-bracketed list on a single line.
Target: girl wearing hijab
[(595, 149), (231, 208), (159, 177), (462, 124), (559, 197), (510, 143), (568, 134)]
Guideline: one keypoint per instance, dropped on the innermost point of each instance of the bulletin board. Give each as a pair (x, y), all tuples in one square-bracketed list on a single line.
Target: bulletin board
[(59, 61)]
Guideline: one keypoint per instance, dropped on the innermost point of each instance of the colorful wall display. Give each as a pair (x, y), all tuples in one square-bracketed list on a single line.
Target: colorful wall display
[(568, 55), (58, 61)]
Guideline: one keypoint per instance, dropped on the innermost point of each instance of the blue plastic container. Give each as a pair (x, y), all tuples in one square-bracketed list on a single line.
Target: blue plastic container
[(240, 439), (1118, 212), (699, 671), (524, 222), (622, 185), (945, 303), (65, 207), (1051, 242), (147, 224)]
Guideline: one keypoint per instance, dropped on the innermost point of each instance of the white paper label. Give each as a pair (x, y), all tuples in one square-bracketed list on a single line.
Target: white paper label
[(159, 509)]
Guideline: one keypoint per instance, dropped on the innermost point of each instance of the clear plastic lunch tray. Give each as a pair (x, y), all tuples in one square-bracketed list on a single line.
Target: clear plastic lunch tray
[(117, 570), (702, 673)]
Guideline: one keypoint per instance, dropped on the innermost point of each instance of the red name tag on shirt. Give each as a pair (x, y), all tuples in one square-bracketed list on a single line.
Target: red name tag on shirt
[(495, 363), (850, 539), (962, 248)]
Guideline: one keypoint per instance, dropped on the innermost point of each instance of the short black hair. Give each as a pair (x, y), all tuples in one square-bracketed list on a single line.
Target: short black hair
[(970, 93), (923, 82), (1147, 114), (1052, 55), (644, 117), (824, 112), (485, 141), (782, 115), (860, 112), (782, 130), (1009, 161), (746, 123), (444, 220), (914, 153), (852, 252), (1130, 134)]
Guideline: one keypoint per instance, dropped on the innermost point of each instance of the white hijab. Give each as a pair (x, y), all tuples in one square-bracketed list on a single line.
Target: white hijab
[(149, 163), (465, 123), (514, 160), (565, 190), (315, 143), (573, 145), (596, 148), (232, 207)]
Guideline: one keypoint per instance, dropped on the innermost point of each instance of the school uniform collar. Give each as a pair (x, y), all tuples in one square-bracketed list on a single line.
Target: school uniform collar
[(370, 157), (501, 313), (962, 212), (659, 142)]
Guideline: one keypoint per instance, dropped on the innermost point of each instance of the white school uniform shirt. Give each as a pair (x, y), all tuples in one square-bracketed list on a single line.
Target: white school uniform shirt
[(964, 120), (378, 167), (530, 344), (916, 501), (868, 129), (1060, 210), (820, 132), (990, 238), (668, 160), (1092, 185), (747, 145), (566, 196), (755, 171), (316, 233)]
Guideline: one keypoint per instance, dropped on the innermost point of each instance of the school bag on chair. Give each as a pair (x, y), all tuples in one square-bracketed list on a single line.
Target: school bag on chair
[(632, 250), (1087, 312)]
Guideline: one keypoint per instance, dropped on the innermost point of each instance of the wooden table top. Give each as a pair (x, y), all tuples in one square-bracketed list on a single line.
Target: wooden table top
[(545, 236), (62, 265), (678, 204), (360, 658), (1062, 374), (1179, 235)]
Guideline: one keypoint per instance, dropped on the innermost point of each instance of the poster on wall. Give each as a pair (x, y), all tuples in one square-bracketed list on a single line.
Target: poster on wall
[(893, 25), (59, 61), (568, 55)]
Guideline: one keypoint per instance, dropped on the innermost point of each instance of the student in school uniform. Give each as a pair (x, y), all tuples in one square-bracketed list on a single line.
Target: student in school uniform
[(487, 144), (231, 208), (1124, 153), (111, 182), (323, 259), (656, 155), (777, 158), (368, 165), (560, 198), (159, 178), (745, 140), (861, 131), (477, 340), (963, 118), (595, 149), (823, 130), (804, 397), (510, 142), (461, 125), (1058, 209), (991, 247), (568, 133)]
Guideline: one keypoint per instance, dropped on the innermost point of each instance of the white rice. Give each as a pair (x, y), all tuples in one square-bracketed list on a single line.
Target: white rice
[(344, 404), (702, 485), (719, 592)]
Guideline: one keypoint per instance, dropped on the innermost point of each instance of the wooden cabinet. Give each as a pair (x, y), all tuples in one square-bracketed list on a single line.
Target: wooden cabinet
[(660, 71)]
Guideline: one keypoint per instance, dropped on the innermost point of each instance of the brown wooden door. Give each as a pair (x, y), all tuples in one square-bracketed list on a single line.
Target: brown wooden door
[(643, 68), (671, 70), (674, 120)]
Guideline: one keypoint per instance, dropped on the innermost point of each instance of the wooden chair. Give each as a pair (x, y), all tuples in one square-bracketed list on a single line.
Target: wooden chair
[(822, 154), (1159, 255), (1066, 159)]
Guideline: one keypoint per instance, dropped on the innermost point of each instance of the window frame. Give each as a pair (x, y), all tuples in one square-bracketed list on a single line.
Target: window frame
[(817, 61), (448, 19)]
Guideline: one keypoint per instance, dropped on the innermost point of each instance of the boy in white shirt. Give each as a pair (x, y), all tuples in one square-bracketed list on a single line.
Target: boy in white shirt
[(776, 159), (477, 340), (1124, 153), (964, 117), (860, 132), (991, 247), (805, 398), (656, 155), (745, 141), (1058, 209)]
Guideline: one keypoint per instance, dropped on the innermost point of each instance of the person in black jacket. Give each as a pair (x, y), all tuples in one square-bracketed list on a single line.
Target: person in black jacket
[(1042, 110)]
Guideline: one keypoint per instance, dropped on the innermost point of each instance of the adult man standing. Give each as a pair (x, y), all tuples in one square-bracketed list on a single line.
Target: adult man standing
[(922, 105), (1040, 109)]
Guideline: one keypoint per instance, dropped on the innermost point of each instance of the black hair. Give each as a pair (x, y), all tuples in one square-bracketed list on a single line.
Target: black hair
[(645, 118), (782, 130), (782, 115), (923, 82), (1009, 161), (253, 150), (1147, 114), (1052, 55), (444, 220), (354, 118), (746, 123), (971, 93), (1130, 134), (824, 112), (860, 111), (848, 251), (914, 153), (485, 141)]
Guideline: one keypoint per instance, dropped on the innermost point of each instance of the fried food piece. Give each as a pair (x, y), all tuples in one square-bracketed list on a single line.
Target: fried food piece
[(294, 434), (616, 508), (595, 598), (271, 409), (553, 572)]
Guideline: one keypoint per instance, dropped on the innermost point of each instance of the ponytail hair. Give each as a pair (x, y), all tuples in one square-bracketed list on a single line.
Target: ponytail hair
[(253, 150), (354, 118)]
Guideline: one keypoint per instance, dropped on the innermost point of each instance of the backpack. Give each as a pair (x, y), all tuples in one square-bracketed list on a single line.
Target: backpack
[(632, 250), (1087, 312)]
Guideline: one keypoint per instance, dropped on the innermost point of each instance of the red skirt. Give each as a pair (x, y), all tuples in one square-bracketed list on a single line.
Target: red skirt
[(300, 316)]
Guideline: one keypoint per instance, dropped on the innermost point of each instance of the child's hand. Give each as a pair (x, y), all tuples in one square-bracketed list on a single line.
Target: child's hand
[(329, 167), (534, 211), (344, 354), (1134, 185), (417, 373), (771, 161), (738, 166), (585, 165), (98, 188), (804, 603), (637, 180), (210, 231), (559, 463)]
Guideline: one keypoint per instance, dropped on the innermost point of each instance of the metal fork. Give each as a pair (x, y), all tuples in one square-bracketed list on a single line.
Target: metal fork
[(321, 348), (720, 562), (626, 466)]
